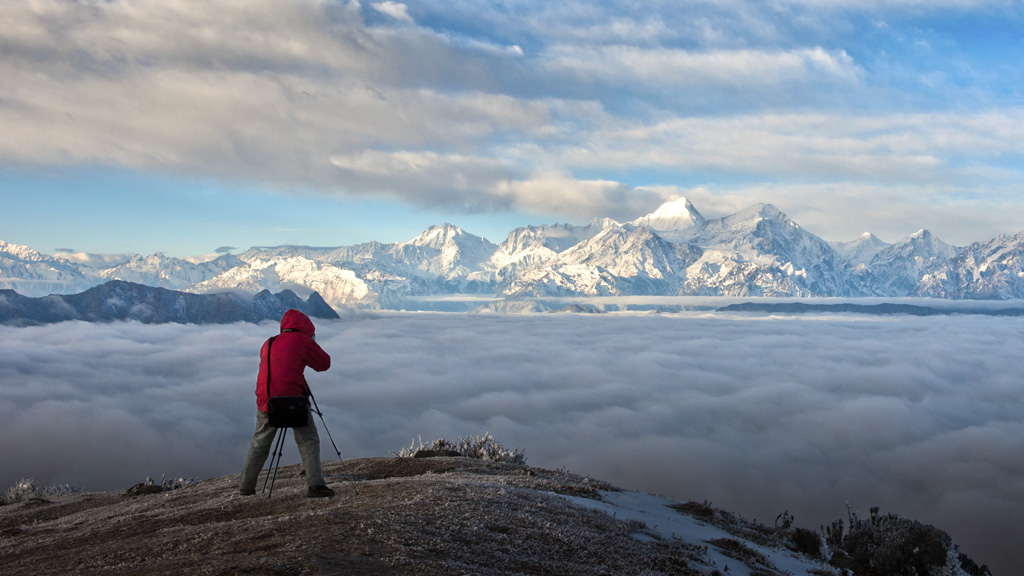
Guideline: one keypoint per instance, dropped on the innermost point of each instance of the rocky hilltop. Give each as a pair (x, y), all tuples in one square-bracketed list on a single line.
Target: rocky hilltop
[(437, 516)]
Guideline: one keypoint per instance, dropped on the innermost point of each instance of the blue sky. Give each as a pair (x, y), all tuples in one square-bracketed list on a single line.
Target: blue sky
[(189, 126)]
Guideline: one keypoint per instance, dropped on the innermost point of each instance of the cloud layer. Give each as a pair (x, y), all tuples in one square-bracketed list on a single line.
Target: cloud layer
[(476, 108), (920, 416)]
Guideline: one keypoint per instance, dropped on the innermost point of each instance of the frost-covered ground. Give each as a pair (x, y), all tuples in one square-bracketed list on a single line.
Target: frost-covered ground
[(410, 516), (756, 414)]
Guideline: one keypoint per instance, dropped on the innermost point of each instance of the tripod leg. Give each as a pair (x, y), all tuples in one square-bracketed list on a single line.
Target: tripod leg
[(351, 482), (284, 432), (278, 446), (336, 451)]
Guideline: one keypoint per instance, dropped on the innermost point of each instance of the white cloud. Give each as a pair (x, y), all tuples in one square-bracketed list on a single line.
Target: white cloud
[(485, 183), (396, 10), (426, 178), (557, 193), (907, 148), (263, 91), (920, 416), (673, 68), (97, 260), (307, 96)]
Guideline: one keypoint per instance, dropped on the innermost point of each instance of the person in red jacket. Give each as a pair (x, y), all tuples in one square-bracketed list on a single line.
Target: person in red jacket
[(293, 349)]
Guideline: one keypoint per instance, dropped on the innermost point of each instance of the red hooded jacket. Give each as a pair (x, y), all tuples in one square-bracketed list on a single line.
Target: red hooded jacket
[(293, 350)]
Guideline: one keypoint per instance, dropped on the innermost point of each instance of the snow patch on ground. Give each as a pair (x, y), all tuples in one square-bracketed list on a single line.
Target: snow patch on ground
[(667, 523)]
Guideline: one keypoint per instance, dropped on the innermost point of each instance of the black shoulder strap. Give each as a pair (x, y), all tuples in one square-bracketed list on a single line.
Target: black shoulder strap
[(270, 344)]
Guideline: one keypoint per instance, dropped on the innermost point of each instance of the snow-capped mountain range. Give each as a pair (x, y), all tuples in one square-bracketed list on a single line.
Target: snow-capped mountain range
[(758, 251)]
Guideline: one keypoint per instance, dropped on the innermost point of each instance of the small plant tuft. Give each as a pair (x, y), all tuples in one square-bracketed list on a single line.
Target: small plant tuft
[(174, 483), (700, 510), (26, 489), (166, 484), (808, 542), (784, 521), (479, 447)]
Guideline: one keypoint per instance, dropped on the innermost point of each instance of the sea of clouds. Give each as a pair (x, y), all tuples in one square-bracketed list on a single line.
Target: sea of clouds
[(757, 414)]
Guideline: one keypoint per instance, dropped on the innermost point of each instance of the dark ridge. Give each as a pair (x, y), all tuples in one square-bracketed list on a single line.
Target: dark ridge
[(118, 301)]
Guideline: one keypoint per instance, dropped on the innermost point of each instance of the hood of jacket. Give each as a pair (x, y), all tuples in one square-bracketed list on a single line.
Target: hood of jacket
[(299, 322)]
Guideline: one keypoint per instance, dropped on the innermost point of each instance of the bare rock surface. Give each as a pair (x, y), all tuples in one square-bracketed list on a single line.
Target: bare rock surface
[(411, 516)]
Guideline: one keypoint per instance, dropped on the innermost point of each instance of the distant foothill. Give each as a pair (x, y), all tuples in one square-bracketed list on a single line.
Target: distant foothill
[(119, 300)]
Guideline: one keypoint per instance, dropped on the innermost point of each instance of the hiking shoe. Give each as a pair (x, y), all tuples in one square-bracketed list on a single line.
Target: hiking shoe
[(245, 492), (320, 491)]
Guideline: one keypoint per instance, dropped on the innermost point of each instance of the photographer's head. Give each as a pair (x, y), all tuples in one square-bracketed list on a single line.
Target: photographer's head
[(296, 321)]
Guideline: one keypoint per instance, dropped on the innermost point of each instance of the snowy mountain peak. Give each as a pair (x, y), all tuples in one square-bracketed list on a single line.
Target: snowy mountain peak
[(868, 239), (928, 245), (437, 235), (861, 250), (762, 211), (749, 218), (676, 216), (602, 223), (742, 223), (444, 250), (19, 252)]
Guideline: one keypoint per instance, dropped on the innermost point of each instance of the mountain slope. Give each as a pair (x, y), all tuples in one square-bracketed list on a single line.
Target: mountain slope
[(31, 273), (991, 270), (444, 251), (761, 252), (617, 261), (897, 269), (535, 245), (168, 272)]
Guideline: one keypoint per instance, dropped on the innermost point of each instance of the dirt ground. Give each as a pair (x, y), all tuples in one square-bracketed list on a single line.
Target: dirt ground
[(411, 516)]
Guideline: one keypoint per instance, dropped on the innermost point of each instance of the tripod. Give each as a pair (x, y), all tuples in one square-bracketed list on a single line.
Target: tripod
[(278, 450)]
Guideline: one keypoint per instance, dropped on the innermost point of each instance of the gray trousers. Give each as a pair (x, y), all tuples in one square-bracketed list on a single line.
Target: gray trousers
[(306, 438)]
